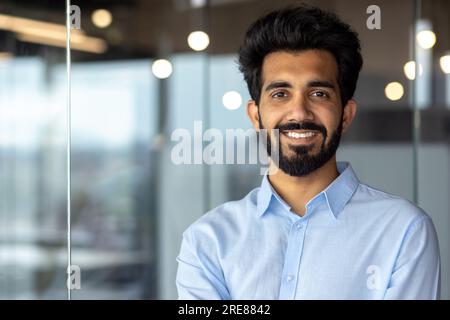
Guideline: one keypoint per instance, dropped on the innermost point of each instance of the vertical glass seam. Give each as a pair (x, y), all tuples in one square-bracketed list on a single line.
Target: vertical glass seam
[(416, 112), (68, 146)]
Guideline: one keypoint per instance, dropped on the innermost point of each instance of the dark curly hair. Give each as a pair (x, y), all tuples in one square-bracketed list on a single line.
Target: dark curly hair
[(301, 28)]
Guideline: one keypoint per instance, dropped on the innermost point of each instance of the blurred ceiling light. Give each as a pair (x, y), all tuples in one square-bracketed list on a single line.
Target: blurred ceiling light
[(232, 100), (410, 70), (444, 61), (198, 40), (394, 91), (78, 42), (52, 34), (198, 3), (101, 18), (162, 68), (426, 39)]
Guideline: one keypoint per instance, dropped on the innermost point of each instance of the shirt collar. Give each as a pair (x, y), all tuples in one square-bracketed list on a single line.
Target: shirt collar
[(264, 196), (337, 194)]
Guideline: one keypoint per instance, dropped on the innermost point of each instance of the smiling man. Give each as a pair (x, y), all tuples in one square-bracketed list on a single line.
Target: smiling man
[(312, 230)]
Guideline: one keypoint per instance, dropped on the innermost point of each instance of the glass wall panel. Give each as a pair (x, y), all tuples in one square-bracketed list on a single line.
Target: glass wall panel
[(433, 123), (32, 151)]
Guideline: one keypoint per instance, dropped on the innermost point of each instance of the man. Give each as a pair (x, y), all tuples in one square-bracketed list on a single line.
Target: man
[(312, 230)]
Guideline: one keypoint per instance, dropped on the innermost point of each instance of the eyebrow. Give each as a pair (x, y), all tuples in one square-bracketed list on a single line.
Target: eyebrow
[(310, 84), (278, 84), (321, 84)]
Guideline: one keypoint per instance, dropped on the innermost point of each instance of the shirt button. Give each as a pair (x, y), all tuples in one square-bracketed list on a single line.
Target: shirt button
[(299, 225), (290, 278)]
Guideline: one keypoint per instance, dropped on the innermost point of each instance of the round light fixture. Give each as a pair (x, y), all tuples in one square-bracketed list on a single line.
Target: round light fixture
[(426, 39), (444, 61), (101, 18), (198, 40), (162, 68), (232, 100), (410, 70), (394, 91)]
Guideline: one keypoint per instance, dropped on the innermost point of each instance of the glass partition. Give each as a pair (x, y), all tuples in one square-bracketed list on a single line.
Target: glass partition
[(32, 151)]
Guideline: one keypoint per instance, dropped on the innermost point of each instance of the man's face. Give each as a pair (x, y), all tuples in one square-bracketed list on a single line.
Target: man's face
[(300, 97)]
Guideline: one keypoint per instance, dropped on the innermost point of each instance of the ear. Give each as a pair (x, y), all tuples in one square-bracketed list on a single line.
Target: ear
[(349, 114), (253, 114)]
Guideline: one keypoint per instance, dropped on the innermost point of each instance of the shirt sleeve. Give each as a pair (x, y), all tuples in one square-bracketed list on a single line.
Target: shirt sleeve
[(416, 274), (198, 276)]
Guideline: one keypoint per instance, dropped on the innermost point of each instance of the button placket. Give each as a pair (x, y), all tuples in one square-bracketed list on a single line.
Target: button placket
[(292, 260)]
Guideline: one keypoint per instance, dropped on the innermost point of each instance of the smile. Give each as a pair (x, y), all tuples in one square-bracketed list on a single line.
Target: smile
[(300, 134)]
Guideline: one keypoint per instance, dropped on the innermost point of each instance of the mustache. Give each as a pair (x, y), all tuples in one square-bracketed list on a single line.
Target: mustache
[(302, 126)]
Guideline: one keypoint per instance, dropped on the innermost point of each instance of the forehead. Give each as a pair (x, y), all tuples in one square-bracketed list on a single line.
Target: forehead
[(299, 66)]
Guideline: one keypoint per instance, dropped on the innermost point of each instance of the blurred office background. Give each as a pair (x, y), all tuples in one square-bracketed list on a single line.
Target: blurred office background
[(130, 202)]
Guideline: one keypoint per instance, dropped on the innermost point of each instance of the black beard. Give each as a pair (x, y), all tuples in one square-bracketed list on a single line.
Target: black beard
[(301, 163)]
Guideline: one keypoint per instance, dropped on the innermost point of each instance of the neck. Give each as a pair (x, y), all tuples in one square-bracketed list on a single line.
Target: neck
[(297, 191)]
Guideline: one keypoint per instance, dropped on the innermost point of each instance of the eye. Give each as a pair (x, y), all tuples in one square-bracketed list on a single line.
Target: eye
[(279, 94), (320, 94)]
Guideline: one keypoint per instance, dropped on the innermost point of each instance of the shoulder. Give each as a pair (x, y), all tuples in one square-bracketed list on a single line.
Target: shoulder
[(226, 219), (391, 220), (389, 207)]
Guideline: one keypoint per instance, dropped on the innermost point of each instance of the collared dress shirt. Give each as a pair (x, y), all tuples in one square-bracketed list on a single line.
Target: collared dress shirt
[(353, 242)]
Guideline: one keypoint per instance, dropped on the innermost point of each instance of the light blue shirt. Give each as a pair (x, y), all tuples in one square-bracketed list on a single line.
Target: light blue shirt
[(354, 242)]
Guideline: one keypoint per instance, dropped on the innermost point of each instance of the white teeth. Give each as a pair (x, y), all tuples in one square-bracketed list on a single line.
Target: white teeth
[(297, 135)]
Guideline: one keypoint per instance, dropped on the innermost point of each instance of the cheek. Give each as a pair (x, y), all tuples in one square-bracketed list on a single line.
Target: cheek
[(331, 125), (269, 119), (331, 120)]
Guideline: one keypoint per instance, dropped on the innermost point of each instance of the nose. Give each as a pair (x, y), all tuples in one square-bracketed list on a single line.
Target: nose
[(300, 110)]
